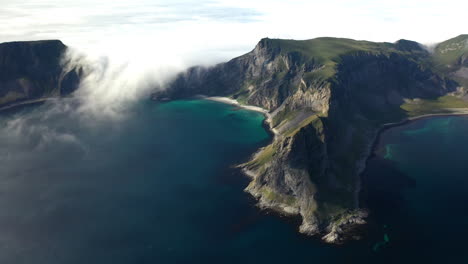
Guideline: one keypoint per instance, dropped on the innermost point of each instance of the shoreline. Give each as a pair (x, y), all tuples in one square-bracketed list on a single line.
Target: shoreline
[(384, 127), (233, 102), (267, 124), (362, 164), (387, 126)]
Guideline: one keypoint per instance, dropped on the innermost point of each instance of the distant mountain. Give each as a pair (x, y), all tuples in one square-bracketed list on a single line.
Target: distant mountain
[(33, 70), (327, 99), (452, 53), (451, 57)]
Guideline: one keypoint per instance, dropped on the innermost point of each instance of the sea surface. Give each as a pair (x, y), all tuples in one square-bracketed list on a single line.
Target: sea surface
[(417, 187), (158, 185)]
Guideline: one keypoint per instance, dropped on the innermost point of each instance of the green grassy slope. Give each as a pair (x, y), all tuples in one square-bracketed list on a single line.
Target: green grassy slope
[(328, 51), (448, 53)]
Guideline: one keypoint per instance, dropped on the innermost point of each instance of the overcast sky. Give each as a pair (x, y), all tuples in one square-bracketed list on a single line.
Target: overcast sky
[(226, 28)]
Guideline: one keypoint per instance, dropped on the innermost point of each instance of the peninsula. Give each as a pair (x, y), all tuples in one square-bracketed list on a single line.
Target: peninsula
[(326, 99)]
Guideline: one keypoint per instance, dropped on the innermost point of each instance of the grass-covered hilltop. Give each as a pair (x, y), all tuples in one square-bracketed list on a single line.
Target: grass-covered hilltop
[(327, 99)]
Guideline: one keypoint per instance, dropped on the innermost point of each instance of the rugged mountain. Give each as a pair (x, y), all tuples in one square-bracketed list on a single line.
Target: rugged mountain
[(33, 70), (327, 99)]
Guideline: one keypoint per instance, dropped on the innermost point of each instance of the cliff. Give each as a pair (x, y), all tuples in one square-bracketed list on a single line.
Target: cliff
[(33, 70), (327, 98)]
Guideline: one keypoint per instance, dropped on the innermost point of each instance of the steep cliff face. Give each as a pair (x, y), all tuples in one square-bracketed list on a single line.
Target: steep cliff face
[(327, 98), (265, 77), (33, 70)]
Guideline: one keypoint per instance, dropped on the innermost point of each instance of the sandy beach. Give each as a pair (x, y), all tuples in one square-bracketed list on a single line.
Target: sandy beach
[(230, 101), (227, 100)]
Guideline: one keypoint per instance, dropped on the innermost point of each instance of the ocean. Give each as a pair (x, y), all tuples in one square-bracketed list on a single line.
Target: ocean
[(159, 185)]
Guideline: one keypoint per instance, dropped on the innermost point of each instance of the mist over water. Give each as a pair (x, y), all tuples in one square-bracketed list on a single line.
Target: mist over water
[(151, 186)]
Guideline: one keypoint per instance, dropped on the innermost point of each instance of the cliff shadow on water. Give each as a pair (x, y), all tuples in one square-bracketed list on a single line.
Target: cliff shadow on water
[(415, 188)]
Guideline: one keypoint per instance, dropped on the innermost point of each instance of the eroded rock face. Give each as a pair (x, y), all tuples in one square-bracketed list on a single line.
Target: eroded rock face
[(341, 229), (34, 69), (284, 181), (326, 118)]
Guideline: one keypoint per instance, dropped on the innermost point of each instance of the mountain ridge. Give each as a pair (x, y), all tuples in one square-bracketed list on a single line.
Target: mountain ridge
[(327, 99)]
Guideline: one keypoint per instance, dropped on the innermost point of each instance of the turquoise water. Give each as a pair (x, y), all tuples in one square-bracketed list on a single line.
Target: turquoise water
[(158, 186)]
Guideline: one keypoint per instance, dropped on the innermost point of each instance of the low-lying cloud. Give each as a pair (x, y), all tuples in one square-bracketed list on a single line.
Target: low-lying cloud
[(110, 84)]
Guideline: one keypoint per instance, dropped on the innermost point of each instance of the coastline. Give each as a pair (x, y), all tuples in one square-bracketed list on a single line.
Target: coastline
[(334, 230), (355, 218), (261, 204), (267, 125), (265, 112), (384, 127)]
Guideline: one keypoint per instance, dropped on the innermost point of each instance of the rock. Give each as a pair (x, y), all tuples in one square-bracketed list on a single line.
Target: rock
[(35, 69), (340, 230)]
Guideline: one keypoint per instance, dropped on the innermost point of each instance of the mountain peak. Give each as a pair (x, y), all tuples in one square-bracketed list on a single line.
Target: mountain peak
[(408, 45)]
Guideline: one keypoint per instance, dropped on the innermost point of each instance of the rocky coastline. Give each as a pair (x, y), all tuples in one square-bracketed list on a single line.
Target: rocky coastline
[(337, 232), (325, 100)]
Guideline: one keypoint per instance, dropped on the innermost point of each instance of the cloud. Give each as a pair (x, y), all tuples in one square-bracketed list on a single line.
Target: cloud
[(27, 135), (87, 22), (114, 81)]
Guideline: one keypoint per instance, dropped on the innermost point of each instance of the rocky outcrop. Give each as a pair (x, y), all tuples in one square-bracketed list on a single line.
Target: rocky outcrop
[(327, 98), (33, 70), (283, 177)]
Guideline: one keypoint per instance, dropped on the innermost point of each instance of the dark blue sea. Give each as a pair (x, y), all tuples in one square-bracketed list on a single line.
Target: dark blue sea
[(158, 185)]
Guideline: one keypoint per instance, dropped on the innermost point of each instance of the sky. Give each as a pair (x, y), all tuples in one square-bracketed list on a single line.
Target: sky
[(223, 29), (132, 45)]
